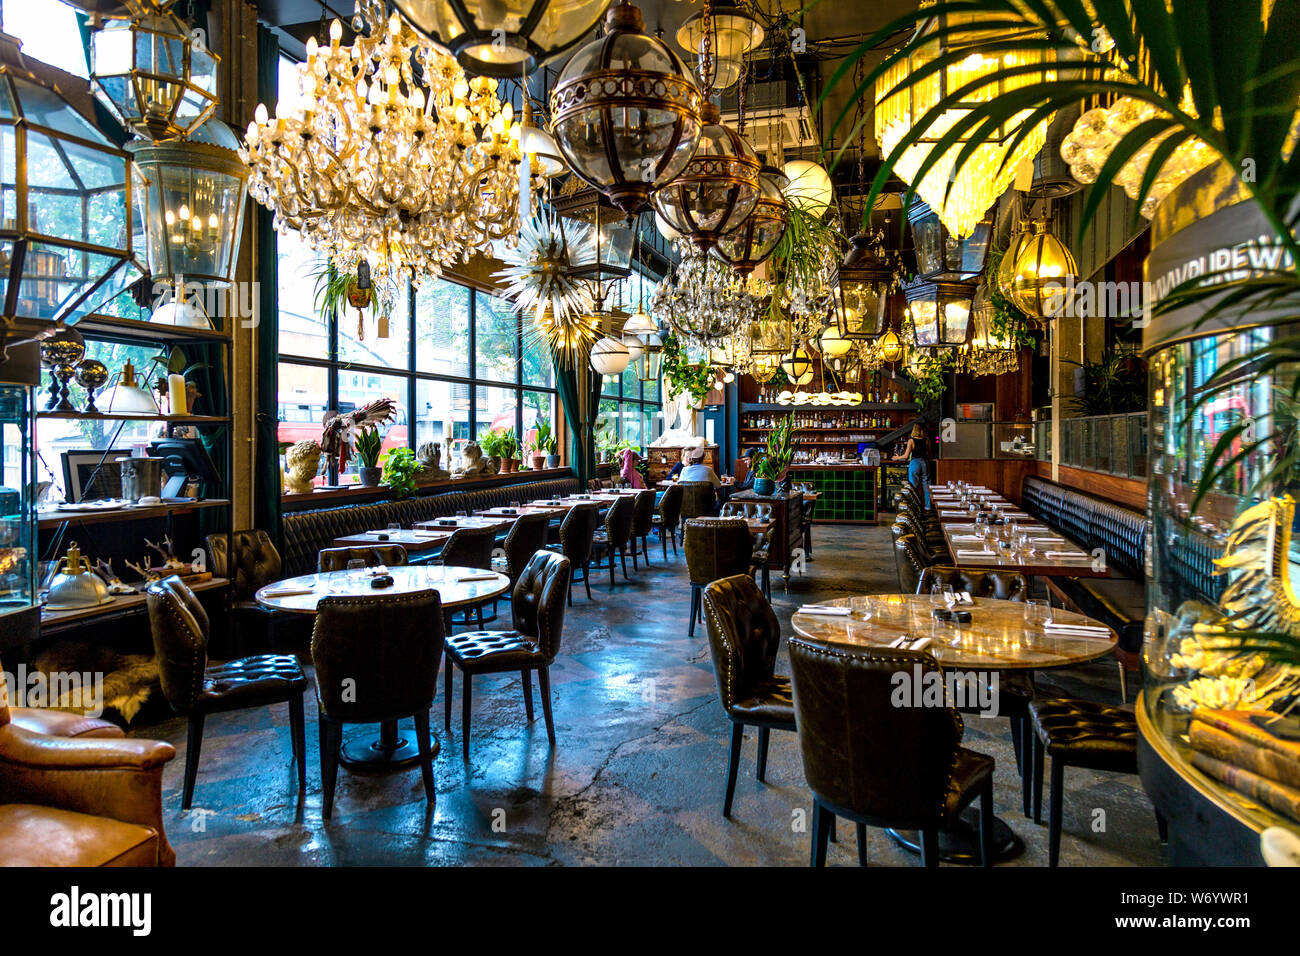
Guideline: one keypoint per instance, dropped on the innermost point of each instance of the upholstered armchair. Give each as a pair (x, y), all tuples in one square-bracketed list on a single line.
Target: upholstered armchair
[(715, 548), (643, 522), (252, 562), (80, 801), (1000, 585)]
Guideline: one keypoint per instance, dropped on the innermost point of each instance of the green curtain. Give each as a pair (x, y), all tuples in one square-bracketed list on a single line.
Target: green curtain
[(579, 389), (266, 474)]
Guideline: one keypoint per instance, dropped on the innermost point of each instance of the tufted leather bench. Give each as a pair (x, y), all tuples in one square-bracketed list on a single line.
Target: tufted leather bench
[(307, 532)]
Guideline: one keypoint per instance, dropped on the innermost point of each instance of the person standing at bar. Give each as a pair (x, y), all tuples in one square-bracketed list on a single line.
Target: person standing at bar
[(917, 456)]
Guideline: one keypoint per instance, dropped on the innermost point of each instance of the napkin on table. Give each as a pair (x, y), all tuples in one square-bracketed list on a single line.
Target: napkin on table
[(1067, 627), (485, 576), (1068, 555), (286, 592), (825, 610)]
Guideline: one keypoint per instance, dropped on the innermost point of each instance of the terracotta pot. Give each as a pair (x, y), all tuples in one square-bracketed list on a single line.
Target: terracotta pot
[(509, 465), (538, 462)]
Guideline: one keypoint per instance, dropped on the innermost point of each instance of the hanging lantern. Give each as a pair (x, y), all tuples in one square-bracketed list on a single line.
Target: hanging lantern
[(758, 236), (809, 187), (890, 346), (771, 335), (66, 230), (153, 72), (833, 345), (609, 254), (865, 283), (943, 255), (652, 357), (797, 364), (1045, 274), (637, 331), (609, 356), (940, 313), (1020, 237), (626, 112), (732, 32), (192, 204), (718, 189), (502, 38)]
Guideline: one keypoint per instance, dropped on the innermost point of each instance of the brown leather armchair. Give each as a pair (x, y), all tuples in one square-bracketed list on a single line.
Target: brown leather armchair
[(912, 560), (252, 563), (1000, 585), (338, 559), (613, 540), (196, 688), (715, 548), (876, 763), (359, 681), (80, 801), (744, 637), (643, 514), (537, 606), (576, 533), (62, 723), (669, 518), (699, 500), (756, 511)]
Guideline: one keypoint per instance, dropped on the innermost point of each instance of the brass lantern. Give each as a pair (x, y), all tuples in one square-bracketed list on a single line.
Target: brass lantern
[(940, 255), (718, 189), (865, 282), (1042, 282), (153, 73), (193, 207), (940, 313), (503, 38), (732, 32), (612, 233), (626, 112), (797, 365), (759, 235), (66, 229)]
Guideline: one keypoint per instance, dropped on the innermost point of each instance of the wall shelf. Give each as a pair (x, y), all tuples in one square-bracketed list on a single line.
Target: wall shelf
[(53, 519), (101, 326)]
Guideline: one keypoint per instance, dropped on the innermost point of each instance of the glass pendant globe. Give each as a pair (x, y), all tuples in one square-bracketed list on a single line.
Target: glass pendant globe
[(810, 187), (1045, 273), (891, 348), (746, 248), (1007, 266), (833, 345), (609, 356)]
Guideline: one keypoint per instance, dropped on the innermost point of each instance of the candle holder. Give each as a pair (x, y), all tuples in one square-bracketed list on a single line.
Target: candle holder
[(91, 375)]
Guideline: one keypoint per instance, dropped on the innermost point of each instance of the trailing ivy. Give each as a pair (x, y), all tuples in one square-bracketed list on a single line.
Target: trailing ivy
[(683, 375)]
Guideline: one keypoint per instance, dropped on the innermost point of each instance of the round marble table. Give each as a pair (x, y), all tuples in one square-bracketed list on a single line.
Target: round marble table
[(998, 638), (390, 750)]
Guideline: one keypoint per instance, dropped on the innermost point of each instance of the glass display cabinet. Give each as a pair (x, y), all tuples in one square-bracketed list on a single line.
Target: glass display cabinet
[(19, 609)]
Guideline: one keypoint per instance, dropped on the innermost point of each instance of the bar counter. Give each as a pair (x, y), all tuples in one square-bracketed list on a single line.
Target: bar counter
[(848, 490)]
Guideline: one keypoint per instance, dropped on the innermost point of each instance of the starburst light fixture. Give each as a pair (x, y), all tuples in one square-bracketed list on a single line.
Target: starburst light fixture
[(540, 277)]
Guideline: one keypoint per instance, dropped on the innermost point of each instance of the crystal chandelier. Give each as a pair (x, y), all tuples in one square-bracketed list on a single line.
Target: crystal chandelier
[(705, 302), (991, 170), (392, 156), (987, 353)]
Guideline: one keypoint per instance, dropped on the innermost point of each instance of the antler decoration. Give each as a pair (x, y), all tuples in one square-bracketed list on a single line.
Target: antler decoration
[(143, 569), (165, 550)]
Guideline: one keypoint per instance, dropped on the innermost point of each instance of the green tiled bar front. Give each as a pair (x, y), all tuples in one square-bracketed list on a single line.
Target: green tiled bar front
[(847, 493)]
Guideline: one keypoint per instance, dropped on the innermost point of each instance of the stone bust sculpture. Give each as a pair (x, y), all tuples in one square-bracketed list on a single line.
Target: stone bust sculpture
[(474, 464), (430, 455), (302, 461)]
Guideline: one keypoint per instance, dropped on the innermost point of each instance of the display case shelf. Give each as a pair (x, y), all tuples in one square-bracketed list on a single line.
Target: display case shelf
[(54, 519), (108, 326)]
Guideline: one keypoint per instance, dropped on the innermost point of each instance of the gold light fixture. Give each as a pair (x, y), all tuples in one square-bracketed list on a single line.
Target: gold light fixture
[(940, 313), (1020, 236), (1045, 273), (153, 72), (798, 365), (745, 248), (890, 347), (374, 164), (719, 37)]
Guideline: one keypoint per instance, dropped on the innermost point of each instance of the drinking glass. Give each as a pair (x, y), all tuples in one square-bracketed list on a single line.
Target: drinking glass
[(949, 596), (394, 526), (936, 594), (1037, 612), (863, 608)]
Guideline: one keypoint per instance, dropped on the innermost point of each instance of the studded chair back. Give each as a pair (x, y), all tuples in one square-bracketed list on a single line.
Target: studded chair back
[(180, 640), (527, 536), (744, 637), (538, 601), (670, 507), (1002, 585), (618, 522), (337, 559), (576, 531), (912, 559), (888, 764), (252, 562), (362, 679), (759, 510), (717, 548), (698, 499), (469, 548), (909, 525), (643, 513)]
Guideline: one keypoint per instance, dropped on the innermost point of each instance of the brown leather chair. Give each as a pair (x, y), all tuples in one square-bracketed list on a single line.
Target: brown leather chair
[(643, 513), (469, 548), (744, 637), (876, 763), (668, 518), (526, 537), (82, 801), (195, 688), (537, 606), (251, 563), (699, 500), (933, 538), (614, 538), (715, 548), (912, 560), (360, 680), (576, 533), (62, 723), (760, 511), (1000, 585), (337, 559)]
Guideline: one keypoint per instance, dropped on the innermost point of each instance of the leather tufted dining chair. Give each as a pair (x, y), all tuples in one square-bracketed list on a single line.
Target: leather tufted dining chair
[(715, 548), (762, 541), (643, 514), (668, 518), (195, 688), (576, 533), (537, 607), (337, 559), (525, 538), (931, 536), (912, 560), (251, 563), (744, 637), (807, 507), (363, 681), (469, 548), (876, 763), (999, 585), (614, 537), (699, 500)]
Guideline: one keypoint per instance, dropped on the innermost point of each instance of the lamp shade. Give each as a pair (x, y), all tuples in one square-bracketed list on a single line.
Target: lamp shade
[(833, 345), (797, 364), (940, 313), (734, 32), (154, 74), (503, 38), (127, 397), (865, 282), (626, 112), (1044, 274), (609, 356), (809, 187)]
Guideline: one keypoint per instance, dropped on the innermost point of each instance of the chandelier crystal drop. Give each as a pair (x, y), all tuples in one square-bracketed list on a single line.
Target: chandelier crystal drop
[(704, 302), (391, 155)]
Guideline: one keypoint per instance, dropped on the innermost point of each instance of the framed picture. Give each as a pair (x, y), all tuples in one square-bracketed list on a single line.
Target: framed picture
[(88, 474)]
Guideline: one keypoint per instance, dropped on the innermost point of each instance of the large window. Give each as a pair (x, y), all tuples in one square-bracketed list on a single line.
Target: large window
[(630, 409)]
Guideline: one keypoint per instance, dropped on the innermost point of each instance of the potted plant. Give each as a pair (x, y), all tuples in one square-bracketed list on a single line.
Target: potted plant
[(771, 465), (546, 443), (366, 445), (490, 444), (401, 468), (508, 449)]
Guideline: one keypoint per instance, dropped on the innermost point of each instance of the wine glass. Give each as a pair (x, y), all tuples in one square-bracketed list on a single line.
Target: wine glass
[(936, 594), (949, 596)]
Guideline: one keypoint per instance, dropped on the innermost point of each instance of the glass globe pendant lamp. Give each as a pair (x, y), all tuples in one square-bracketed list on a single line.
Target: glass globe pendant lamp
[(809, 187), (732, 31), (797, 364), (1045, 273), (626, 112), (609, 356), (152, 72), (718, 189), (745, 248), (890, 347), (501, 38), (1020, 237), (637, 332)]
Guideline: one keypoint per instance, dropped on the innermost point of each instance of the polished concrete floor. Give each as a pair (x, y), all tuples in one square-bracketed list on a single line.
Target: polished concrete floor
[(638, 772)]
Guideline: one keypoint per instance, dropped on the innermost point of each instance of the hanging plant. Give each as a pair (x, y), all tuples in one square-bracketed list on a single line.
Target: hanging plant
[(683, 375), (1007, 323), (1114, 385), (804, 261)]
